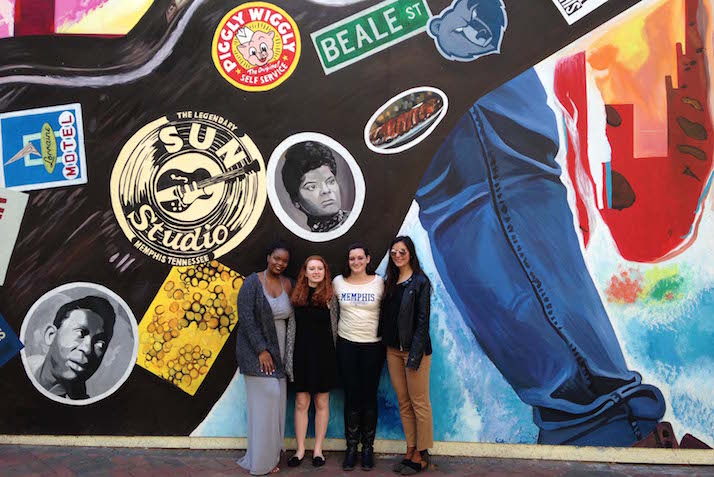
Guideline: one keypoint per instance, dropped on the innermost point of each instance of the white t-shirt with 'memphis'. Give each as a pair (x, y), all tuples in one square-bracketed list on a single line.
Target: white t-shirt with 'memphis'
[(359, 309)]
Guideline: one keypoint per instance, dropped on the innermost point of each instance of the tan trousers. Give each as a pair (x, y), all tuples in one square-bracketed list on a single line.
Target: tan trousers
[(412, 389)]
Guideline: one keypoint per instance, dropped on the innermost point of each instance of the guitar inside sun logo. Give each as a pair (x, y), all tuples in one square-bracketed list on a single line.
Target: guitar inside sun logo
[(188, 188)]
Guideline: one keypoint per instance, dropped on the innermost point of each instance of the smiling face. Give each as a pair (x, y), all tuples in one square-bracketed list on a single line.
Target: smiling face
[(319, 193), (278, 261), (77, 347), (259, 50), (358, 261), (315, 272), (400, 254)]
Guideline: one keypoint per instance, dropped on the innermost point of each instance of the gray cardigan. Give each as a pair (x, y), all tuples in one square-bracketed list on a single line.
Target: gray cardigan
[(256, 331)]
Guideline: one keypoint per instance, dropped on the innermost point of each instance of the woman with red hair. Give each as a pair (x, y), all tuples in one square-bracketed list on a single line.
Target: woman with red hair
[(314, 361)]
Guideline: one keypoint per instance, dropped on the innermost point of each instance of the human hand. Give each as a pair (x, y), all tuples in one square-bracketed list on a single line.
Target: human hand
[(266, 362)]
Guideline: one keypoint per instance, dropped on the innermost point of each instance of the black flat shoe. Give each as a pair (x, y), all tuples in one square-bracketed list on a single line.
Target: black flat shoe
[(318, 461), (294, 461), (412, 468), (399, 466)]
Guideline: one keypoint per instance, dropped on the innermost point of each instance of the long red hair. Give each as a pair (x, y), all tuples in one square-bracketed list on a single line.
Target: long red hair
[(324, 292)]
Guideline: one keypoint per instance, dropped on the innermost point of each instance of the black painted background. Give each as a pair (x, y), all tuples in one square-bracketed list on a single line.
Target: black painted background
[(337, 105)]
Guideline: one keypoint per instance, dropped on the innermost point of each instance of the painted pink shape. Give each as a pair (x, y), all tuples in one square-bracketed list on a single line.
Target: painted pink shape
[(7, 9), (66, 11), (72, 11)]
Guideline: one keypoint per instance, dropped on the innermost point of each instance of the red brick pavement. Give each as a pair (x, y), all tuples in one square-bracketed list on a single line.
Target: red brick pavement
[(32, 461)]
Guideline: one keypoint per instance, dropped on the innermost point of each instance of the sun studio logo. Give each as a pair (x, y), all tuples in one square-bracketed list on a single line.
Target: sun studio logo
[(188, 188)]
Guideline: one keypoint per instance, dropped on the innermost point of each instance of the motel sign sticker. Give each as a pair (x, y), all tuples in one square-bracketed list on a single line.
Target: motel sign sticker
[(42, 148), (369, 31)]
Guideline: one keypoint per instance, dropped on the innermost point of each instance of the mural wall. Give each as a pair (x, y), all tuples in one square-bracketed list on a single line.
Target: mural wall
[(552, 160)]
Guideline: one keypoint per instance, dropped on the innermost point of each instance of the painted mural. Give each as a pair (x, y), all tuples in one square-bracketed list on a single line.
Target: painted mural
[(557, 188)]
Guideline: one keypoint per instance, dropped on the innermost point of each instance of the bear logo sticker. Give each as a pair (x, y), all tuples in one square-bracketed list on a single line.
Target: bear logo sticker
[(256, 46), (469, 29)]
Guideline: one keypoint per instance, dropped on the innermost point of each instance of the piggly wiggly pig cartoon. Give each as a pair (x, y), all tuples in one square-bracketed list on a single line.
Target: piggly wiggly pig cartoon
[(469, 29), (256, 47)]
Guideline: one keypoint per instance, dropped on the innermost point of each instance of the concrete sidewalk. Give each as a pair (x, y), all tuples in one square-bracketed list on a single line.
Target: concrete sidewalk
[(26, 461)]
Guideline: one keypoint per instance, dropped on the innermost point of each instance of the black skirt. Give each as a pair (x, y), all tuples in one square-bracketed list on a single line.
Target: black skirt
[(314, 359)]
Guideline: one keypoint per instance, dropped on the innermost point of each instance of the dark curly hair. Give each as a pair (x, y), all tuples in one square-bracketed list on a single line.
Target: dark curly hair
[(278, 244), (95, 304), (304, 157)]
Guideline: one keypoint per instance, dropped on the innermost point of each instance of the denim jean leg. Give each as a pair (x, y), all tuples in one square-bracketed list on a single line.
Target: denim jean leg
[(493, 194)]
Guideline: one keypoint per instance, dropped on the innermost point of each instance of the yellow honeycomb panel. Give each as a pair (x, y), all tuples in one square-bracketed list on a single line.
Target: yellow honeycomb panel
[(188, 322)]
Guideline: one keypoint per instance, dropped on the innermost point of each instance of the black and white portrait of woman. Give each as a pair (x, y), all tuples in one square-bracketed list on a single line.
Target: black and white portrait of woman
[(315, 186)]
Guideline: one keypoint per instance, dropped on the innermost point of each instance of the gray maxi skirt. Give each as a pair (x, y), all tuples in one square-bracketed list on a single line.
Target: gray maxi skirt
[(266, 403)]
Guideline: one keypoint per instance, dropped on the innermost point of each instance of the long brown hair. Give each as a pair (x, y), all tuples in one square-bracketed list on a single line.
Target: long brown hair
[(323, 294), (390, 284)]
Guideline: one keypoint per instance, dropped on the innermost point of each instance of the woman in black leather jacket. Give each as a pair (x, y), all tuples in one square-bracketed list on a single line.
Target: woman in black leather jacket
[(404, 327)]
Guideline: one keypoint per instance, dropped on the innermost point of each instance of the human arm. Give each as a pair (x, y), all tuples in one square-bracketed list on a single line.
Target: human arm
[(247, 322), (334, 317), (290, 347), (422, 311)]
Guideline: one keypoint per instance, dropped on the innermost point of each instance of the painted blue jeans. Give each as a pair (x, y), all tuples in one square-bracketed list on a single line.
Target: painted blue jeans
[(504, 243)]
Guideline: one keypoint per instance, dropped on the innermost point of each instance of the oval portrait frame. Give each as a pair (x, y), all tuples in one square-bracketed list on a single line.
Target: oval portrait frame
[(355, 170), (408, 145), (134, 329)]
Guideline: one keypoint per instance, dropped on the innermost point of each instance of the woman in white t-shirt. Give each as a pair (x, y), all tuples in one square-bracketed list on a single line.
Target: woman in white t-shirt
[(360, 353)]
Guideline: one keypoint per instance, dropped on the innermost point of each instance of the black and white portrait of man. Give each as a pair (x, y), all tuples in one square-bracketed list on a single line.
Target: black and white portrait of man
[(81, 343)]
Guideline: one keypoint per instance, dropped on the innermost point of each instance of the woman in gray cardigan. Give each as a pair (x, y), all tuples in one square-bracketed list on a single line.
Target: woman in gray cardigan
[(264, 317)]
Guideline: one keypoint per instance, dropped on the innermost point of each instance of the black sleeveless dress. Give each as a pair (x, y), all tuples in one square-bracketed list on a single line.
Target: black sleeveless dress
[(314, 359)]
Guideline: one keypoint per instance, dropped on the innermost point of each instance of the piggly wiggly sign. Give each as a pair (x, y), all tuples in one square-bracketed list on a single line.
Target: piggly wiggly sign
[(256, 46)]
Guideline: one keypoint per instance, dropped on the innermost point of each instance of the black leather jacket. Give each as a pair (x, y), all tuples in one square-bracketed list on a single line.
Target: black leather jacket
[(413, 320)]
